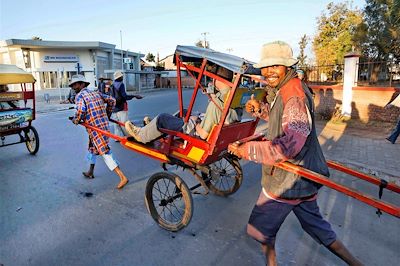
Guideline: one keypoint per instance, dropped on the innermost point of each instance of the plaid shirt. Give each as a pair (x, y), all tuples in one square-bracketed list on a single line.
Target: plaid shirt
[(90, 108)]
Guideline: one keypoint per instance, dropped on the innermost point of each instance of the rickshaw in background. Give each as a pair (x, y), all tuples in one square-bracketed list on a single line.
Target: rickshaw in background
[(16, 119), (167, 196)]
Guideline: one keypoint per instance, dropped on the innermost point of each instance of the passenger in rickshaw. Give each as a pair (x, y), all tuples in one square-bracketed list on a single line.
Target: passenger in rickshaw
[(90, 108), (195, 126)]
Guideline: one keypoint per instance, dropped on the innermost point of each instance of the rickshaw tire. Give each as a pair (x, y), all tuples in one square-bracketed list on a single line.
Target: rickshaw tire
[(31, 150), (186, 195), (234, 162)]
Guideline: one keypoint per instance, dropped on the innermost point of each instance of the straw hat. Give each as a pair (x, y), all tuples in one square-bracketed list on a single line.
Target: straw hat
[(118, 74), (78, 78), (276, 53)]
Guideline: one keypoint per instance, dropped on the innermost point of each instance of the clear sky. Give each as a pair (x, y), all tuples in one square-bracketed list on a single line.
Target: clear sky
[(158, 26)]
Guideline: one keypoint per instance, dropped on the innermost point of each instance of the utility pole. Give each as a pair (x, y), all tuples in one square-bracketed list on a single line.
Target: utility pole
[(205, 38), (122, 56), (205, 46)]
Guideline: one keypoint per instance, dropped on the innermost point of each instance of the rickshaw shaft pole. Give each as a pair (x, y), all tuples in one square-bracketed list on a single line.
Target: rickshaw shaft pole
[(384, 206), (103, 132), (363, 176)]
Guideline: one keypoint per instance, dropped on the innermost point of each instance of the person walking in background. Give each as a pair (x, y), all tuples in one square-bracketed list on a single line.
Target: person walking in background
[(102, 85), (120, 111), (396, 131), (291, 137), (94, 108), (71, 96), (302, 76)]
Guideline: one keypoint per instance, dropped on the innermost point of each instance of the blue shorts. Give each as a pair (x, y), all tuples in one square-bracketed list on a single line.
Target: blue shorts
[(268, 215)]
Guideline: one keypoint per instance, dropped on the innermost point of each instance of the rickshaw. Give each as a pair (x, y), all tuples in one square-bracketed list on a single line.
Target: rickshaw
[(14, 118), (168, 198)]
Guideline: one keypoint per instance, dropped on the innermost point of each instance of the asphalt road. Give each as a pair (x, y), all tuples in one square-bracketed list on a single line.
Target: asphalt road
[(47, 220)]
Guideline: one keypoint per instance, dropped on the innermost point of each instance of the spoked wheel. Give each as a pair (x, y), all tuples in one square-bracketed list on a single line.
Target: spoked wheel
[(226, 176), (32, 140), (169, 201)]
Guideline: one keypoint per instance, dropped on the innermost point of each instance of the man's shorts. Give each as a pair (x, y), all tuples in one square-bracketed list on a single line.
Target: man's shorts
[(268, 215)]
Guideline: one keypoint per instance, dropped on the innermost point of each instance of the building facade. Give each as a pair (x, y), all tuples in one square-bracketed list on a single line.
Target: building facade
[(53, 63)]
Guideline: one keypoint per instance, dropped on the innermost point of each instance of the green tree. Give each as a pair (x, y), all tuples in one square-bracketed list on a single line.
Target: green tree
[(160, 66), (379, 34), (302, 57), (335, 33), (150, 57)]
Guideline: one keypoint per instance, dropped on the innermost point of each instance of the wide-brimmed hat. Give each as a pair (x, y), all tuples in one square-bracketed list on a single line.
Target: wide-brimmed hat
[(276, 53), (118, 74), (78, 78)]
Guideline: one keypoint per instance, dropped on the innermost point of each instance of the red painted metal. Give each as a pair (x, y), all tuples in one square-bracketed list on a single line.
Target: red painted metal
[(202, 88), (140, 147), (208, 74), (382, 205), (213, 138), (178, 71), (195, 90), (371, 179), (104, 132), (192, 75)]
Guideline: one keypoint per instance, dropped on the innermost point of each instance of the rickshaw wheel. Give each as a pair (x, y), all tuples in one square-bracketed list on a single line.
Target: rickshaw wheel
[(226, 176), (169, 201), (32, 140)]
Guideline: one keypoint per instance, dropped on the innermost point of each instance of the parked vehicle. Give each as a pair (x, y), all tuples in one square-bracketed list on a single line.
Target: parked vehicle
[(17, 108)]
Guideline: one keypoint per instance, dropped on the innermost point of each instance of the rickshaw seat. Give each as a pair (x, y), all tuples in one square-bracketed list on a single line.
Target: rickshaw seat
[(242, 95)]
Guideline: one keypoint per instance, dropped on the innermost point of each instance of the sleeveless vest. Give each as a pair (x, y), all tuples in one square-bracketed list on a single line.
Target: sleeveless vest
[(279, 182)]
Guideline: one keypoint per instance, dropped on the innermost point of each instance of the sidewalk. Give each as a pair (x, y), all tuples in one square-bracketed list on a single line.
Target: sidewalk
[(54, 100), (363, 149)]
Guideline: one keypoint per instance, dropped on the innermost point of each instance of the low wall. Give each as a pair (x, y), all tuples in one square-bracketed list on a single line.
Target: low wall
[(367, 103), (186, 82)]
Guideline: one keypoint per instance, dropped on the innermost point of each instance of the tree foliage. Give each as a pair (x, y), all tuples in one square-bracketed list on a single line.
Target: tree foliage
[(302, 57), (150, 57), (379, 34), (335, 33)]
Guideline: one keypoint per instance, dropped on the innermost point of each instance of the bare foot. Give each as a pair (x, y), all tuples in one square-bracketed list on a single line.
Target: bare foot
[(122, 183)]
